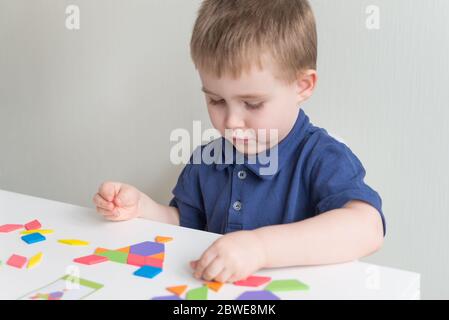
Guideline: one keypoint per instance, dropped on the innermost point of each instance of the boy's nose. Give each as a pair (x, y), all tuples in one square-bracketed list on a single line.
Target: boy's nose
[(234, 121)]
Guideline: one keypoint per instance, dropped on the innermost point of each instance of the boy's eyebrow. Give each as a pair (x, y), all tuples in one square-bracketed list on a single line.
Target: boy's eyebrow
[(243, 96)]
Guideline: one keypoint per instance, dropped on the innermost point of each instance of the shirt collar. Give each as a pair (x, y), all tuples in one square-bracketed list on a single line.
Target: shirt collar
[(285, 150)]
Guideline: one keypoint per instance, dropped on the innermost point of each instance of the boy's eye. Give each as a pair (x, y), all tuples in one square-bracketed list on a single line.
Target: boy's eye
[(216, 102), (253, 106), (248, 105)]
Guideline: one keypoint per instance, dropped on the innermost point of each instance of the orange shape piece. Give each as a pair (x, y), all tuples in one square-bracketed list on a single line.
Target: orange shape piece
[(100, 250), (178, 290), (161, 239), (159, 256), (214, 285), (125, 249)]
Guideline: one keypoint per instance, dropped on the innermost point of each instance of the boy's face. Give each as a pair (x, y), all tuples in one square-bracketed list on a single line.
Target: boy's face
[(239, 108)]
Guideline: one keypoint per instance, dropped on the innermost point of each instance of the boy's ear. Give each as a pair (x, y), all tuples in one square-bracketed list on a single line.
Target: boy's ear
[(305, 84)]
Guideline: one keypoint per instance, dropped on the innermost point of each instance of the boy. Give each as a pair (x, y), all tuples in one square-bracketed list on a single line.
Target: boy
[(257, 61)]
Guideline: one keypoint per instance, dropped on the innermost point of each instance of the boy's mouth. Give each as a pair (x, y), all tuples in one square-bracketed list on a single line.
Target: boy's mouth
[(240, 140)]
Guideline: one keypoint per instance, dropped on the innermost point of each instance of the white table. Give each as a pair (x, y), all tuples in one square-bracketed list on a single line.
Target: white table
[(355, 280)]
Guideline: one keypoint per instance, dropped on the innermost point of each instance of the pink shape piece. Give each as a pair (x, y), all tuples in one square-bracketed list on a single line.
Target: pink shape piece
[(33, 225), (91, 259), (16, 261), (252, 281), (136, 260), (153, 262), (10, 227)]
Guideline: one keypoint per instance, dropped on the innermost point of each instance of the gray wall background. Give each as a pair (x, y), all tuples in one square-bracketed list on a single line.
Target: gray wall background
[(80, 107)]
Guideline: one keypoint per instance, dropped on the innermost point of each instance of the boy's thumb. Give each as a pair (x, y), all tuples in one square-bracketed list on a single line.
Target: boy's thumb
[(125, 198), (108, 190), (118, 201)]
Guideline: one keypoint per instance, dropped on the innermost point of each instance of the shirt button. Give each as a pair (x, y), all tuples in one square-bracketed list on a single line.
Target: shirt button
[(237, 205), (241, 174)]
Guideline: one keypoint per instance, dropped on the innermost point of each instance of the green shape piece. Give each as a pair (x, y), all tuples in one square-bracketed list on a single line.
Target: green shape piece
[(286, 285), (197, 294), (83, 282), (115, 256)]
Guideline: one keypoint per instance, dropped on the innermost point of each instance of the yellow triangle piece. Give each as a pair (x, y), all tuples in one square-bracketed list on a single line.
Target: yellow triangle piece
[(34, 260), (159, 256), (41, 231), (74, 242), (178, 290), (214, 285), (125, 249), (161, 239)]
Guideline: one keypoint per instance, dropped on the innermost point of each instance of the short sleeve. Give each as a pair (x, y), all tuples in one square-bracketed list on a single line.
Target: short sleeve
[(187, 197), (337, 177)]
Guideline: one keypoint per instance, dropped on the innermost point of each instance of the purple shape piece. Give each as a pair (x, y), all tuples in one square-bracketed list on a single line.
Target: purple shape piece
[(56, 295), (172, 297), (258, 295), (147, 248)]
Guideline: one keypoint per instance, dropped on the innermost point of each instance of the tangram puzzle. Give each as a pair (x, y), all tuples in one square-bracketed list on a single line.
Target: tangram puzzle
[(147, 255)]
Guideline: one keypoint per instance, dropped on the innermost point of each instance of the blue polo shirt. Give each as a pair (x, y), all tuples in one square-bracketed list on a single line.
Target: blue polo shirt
[(314, 173)]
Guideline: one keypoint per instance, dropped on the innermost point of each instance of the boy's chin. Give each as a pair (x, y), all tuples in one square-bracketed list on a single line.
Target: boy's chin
[(250, 149)]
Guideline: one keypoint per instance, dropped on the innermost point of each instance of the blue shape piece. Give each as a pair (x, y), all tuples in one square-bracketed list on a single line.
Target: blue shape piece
[(147, 248), (147, 272), (173, 297), (33, 238), (258, 295)]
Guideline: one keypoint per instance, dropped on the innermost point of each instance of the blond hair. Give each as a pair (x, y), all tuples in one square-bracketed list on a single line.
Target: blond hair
[(230, 36)]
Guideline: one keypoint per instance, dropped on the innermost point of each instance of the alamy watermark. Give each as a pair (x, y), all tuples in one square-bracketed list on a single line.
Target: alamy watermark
[(72, 281), (72, 19), (261, 144), (372, 21)]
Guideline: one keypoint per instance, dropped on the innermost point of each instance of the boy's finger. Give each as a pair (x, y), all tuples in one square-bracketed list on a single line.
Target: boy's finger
[(126, 197), (102, 203), (193, 264), (108, 190), (118, 217), (207, 257), (224, 276), (106, 213), (115, 218), (213, 270), (235, 277)]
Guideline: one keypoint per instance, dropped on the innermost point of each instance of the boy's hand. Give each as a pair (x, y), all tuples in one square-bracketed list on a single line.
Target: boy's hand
[(117, 201), (234, 256)]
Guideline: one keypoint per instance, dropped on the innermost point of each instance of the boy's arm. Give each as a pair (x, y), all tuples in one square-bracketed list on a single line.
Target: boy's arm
[(150, 209), (334, 236)]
